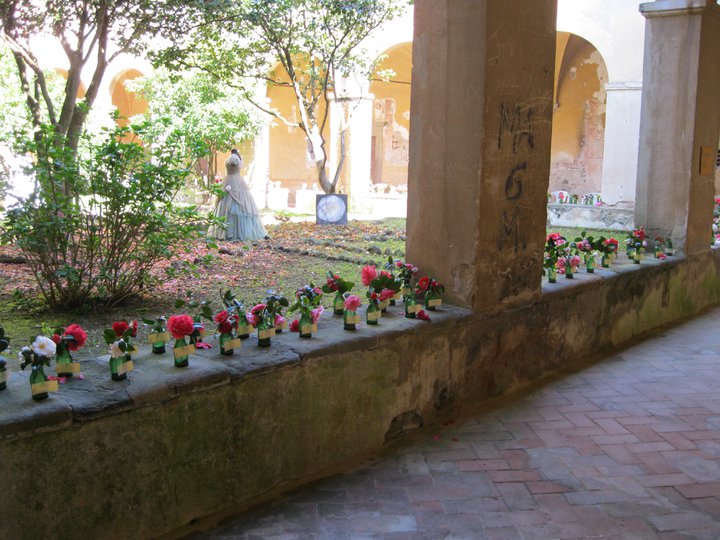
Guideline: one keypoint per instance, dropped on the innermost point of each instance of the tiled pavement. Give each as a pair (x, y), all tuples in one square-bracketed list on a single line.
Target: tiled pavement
[(628, 448)]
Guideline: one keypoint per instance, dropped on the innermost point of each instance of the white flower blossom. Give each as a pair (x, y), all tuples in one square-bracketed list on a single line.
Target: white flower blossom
[(115, 350), (44, 346)]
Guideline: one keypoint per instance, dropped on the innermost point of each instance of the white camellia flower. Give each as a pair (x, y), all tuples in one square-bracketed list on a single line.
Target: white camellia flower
[(115, 350), (44, 346)]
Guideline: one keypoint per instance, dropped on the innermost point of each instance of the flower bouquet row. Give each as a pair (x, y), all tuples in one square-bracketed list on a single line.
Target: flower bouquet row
[(564, 257)]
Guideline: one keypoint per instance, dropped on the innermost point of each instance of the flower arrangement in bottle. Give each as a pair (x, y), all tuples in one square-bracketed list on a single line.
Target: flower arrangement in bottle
[(659, 248), (198, 333), (635, 244), (350, 316), (275, 303), (226, 321), (335, 284), (236, 308), (159, 334), (118, 338), (124, 330), (38, 356), (4, 344), (585, 245), (308, 304), (181, 327), (405, 274), (608, 248), (555, 245), (431, 290), (381, 288), (68, 340)]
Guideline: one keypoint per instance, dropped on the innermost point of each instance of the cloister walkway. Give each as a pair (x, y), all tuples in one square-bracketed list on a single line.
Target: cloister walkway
[(627, 448)]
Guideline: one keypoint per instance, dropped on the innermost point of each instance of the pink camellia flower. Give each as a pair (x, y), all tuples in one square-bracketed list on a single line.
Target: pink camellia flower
[(251, 319), (79, 337), (295, 326), (352, 302), (179, 326), (315, 314), (574, 262), (368, 273), (386, 294), (257, 310), (279, 320), (661, 255), (560, 265)]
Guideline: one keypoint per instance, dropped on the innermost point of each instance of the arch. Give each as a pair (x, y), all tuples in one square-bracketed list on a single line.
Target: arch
[(126, 102), (391, 119), (579, 116)]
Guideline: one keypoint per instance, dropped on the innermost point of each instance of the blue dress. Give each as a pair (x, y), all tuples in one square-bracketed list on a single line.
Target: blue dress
[(242, 219)]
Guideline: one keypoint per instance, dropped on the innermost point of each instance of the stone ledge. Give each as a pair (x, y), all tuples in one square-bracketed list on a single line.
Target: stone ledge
[(155, 379)]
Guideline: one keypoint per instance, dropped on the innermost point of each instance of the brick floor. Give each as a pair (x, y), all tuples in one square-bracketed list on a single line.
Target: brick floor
[(628, 448)]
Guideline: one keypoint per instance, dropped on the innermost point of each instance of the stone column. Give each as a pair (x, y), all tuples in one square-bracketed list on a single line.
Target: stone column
[(354, 113), (481, 116), (622, 130), (680, 116)]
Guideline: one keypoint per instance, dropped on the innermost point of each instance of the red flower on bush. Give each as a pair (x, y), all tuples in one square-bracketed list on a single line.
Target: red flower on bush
[(180, 326), (79, 336), (120, 327)]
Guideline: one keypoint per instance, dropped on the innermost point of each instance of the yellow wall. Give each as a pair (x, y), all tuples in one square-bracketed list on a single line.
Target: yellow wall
[(391, 117), (579, 117), (127, 103)]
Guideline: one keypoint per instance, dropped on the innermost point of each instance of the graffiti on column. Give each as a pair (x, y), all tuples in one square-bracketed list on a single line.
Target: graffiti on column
[(516, 130)]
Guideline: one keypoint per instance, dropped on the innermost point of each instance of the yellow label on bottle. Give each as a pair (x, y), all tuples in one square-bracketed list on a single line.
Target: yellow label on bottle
[(233, 343), (413, 308), (282, 326), (384, 304), (434, 302), (267, 333), (160, 337), (373, 315), (41, 388), (186, 350), (125, 367), (308, 329), (202, 333), (243, 329), (398, 296), (352, 319), (69, 367)]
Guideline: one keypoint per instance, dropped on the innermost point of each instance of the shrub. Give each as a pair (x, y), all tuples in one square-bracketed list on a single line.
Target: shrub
[(99, 221)]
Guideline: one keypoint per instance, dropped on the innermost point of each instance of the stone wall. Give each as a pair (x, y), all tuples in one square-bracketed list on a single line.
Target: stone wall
[(136, 459)]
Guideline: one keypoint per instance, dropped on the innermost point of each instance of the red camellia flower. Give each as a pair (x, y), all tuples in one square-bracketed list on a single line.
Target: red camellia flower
[(221, 317), (295, 326), (56, 338), (79, 337), (368, 273), (120, 327), (180, 326), (373, 296), (423, 283), (422, 315), (225, 327)]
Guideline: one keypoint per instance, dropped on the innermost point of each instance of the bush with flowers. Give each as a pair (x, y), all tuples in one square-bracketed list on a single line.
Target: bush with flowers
[(335, 284), (307, 302), (37, 356), (68, 340)]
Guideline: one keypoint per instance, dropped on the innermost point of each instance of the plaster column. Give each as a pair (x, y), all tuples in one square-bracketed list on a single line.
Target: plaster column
[(354, 112), (680, 115), (622, 131), (481, 115)]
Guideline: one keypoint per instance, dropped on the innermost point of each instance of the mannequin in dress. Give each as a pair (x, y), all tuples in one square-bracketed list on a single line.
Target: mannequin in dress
[(242, 219)]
